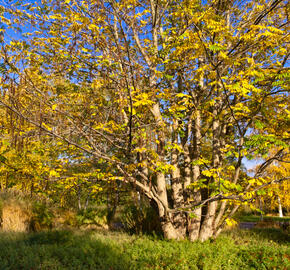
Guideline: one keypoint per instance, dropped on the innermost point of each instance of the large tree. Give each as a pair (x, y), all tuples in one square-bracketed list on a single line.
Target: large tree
[(171, 94)]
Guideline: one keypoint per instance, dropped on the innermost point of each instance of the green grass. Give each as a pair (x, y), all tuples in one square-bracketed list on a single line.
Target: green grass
[(238, 249)]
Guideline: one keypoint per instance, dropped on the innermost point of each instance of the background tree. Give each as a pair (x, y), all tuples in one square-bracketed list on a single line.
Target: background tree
[(277, 195)]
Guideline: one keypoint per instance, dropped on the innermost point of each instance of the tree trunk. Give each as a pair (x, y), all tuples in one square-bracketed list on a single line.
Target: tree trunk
[(280, 207), (207, 228), (179, 218), (194, 222), (170, 232), (220, 214)]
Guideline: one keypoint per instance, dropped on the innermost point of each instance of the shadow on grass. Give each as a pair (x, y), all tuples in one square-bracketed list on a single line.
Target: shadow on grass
[(272, 234), (262, 235), (58, 250), (255, 218)]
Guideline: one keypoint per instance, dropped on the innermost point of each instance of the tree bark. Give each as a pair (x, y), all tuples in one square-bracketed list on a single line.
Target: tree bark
[(177, 188), (167, 227), (280, 207), (194, 222), (170, 232), (207, 227)]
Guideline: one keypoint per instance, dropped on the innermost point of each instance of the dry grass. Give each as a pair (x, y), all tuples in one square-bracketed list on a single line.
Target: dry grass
[(16, 217), (16, 211), (268, 224)]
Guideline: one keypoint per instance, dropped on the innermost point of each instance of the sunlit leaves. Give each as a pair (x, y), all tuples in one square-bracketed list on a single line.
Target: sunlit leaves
[(127, 94)]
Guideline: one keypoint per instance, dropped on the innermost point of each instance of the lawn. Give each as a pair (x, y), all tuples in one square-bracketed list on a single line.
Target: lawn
[(236, 249)]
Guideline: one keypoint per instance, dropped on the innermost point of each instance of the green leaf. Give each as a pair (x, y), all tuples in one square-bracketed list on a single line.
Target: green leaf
[(3, 159)]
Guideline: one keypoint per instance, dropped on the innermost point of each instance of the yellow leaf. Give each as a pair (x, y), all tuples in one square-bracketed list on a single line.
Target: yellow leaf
[(207, 173), (231, 222), (46, 126), (93, 27), (53, 173)]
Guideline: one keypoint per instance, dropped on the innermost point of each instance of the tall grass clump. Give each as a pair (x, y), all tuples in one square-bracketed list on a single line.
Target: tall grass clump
[(22, 213), (16, 211)]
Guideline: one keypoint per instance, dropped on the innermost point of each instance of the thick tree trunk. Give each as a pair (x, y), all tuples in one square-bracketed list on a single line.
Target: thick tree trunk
[(207, 227), (169, 231), (162, 194), (179, 218), (194, 222)]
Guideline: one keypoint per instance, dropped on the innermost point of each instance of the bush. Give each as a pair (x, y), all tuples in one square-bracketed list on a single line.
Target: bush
[(93, 216), (42, 217), (64, 218), (141, 219)]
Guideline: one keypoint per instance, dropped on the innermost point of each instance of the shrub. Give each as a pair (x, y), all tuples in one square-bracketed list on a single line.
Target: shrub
[(42, 216), (141, 219), (63, 218), (93, 216)]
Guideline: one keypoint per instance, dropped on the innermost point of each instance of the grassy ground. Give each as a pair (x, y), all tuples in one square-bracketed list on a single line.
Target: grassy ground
[(237, 249), (255, 218)]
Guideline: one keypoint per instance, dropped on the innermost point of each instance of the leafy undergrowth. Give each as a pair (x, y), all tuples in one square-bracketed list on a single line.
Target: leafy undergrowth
[(237, 249)]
